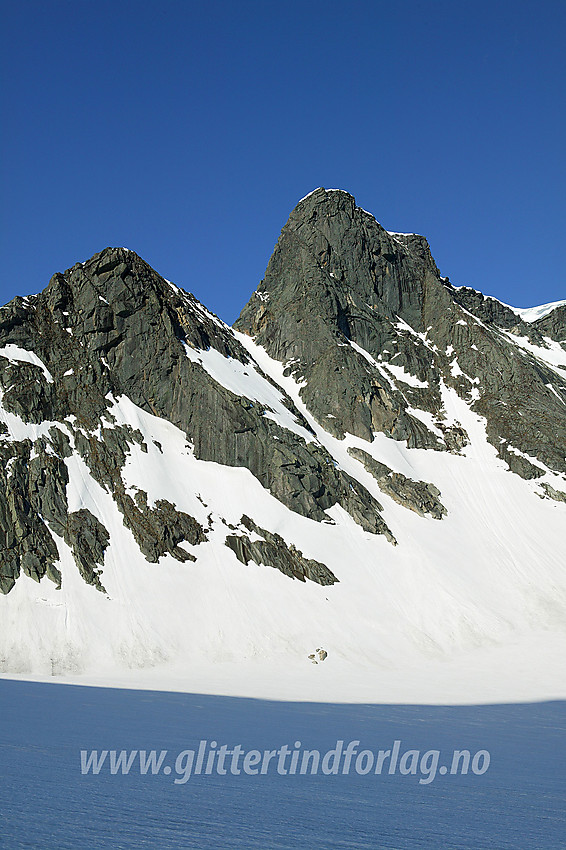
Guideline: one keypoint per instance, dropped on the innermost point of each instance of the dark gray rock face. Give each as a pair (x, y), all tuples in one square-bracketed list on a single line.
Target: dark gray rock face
[(521, 396), (491, 311), (274, 552), (418, 496), (142, 337), (553, 325), (338, 282), (520, 465), (335, 277), (157, 531), (34, 505), (160, 530), (25, 541), (88, 539)]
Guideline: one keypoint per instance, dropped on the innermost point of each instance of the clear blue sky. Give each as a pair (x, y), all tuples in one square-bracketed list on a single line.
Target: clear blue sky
[(187, 131)]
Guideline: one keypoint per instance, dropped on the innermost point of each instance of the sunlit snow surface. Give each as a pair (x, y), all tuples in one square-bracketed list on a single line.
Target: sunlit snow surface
[(47, 803), (484, 589), (20, 355), (531, 314), (469, 610)]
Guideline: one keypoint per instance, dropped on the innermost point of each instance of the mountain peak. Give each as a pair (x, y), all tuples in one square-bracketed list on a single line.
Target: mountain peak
[(321, 203), (323, 200), (320, 194), (333, 255), (109, 256)]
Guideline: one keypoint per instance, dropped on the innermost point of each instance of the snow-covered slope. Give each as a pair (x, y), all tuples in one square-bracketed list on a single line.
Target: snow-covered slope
[(487, 576), (199, 550), (531, 314), (528, 314)]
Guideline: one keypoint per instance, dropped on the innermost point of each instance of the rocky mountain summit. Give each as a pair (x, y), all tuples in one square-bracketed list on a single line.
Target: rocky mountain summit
[(365, 314), (136, 426)]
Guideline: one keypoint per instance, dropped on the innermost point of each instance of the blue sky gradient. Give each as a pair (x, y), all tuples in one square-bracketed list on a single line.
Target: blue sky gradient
[(187, 131)]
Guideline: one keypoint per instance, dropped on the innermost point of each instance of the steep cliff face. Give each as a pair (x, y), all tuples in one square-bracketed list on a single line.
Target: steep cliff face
[(336, 278), (334, 470), (553, 324), (364, 319)]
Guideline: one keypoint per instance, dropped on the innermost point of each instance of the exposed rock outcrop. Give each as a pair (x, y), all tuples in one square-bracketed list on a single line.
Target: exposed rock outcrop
[(274, 552), (418, 496)]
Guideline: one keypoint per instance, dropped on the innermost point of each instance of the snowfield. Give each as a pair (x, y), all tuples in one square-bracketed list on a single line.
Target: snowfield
[(47, 802), (468, 609)]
